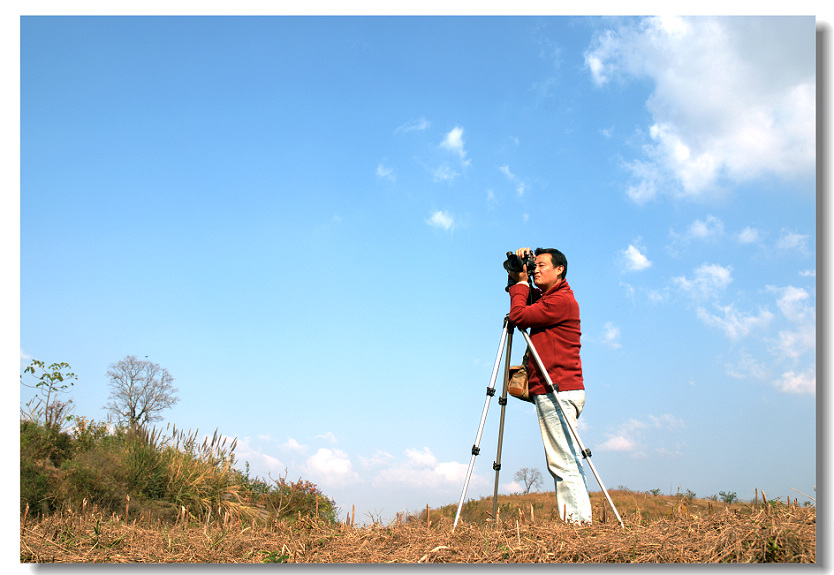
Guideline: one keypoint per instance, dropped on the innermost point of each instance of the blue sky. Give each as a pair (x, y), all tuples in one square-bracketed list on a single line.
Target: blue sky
[(304, 220)]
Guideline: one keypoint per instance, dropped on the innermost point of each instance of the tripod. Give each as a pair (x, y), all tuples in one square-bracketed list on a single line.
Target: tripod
[(507, 337)]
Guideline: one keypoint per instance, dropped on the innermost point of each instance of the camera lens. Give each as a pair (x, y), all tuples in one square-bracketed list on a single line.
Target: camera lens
[(513, 263)]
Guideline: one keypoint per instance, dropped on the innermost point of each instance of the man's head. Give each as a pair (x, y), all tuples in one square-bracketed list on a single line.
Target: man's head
[(551, 268)]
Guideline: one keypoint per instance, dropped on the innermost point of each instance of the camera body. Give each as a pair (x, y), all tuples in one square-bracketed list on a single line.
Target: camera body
[(515, 264)]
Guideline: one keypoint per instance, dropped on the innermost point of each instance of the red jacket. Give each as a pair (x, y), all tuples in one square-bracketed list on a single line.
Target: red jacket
[(553, 319)]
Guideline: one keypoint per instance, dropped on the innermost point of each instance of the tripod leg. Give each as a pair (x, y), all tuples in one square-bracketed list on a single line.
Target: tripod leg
[(490, 392), (586, 453), (502, 401)]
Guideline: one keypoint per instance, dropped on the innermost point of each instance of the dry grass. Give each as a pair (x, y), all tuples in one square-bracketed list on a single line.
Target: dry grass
[(742, 533)]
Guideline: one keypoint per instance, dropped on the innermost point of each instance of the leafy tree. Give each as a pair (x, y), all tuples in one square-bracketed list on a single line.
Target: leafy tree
[(727, 497), (44, 445), (46, 407), (529, 477), (139, 391)]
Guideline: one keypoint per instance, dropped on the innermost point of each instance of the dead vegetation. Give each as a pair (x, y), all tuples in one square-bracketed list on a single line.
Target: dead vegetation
[(679, 531)]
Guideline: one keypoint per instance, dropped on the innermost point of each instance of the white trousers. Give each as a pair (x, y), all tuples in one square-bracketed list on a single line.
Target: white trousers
[(564, 462)]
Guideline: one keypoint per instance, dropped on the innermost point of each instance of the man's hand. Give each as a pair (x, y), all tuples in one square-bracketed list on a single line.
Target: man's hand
[(521, 276)]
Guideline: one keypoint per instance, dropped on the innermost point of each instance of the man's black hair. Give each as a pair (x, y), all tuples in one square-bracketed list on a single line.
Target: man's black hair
[(557, 257)]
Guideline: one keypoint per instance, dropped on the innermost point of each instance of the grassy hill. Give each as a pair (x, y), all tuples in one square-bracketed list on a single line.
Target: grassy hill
[(647, 506), (151, 496), (657, 529)]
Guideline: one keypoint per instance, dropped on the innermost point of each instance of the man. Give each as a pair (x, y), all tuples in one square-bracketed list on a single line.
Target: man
[(552, 315)]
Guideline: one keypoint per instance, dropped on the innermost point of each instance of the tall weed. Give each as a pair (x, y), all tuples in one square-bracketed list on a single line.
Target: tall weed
[(167, 473)]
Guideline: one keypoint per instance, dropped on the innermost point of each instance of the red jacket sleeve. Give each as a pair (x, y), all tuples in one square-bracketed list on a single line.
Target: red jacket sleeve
[(542, 312)]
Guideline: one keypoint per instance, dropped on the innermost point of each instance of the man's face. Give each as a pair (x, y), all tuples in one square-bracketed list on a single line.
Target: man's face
[(546, 276)]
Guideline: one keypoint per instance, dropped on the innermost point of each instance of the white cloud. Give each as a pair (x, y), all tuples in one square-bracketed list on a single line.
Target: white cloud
[(442, 220), (450, 471), (793, 344), (453, 142), (329, 437), (490, 198), (385, 172), (331, 467), (797, 308), (746, 366), (263, 463), (710, 228), (421, 469), (520, 186), (749, 235), (710, 279), (624, 438), (733, 323), (667, 421), (618, 443), (611, 335), (444, 173), (293, 445), (793, 241), (415, 125), (647, 175), (629, 437), (513, 487), (788, 352), (635, 260), (424, 458), (378, 459), (658, 296), (792, 382), (733, 99), (794, 303)]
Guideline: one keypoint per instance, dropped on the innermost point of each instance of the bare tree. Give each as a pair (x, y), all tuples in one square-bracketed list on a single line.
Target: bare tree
[(139, 391), (529, 477)]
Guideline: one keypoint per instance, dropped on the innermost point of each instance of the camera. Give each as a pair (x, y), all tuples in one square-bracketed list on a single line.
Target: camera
[(513, 263)]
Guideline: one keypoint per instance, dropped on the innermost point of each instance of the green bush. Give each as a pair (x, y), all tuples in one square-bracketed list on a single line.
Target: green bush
[(42, 451), (162, 474), (96, 474), (34, 487), (288, 499), (44, 444), (144, 468)]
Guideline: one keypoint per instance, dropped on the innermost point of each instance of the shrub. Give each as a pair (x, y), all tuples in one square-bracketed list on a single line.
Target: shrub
[(284, 499), (88, 433), (302, 497), (162, 474), (97, 475), (34, 487), (43, 449)]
